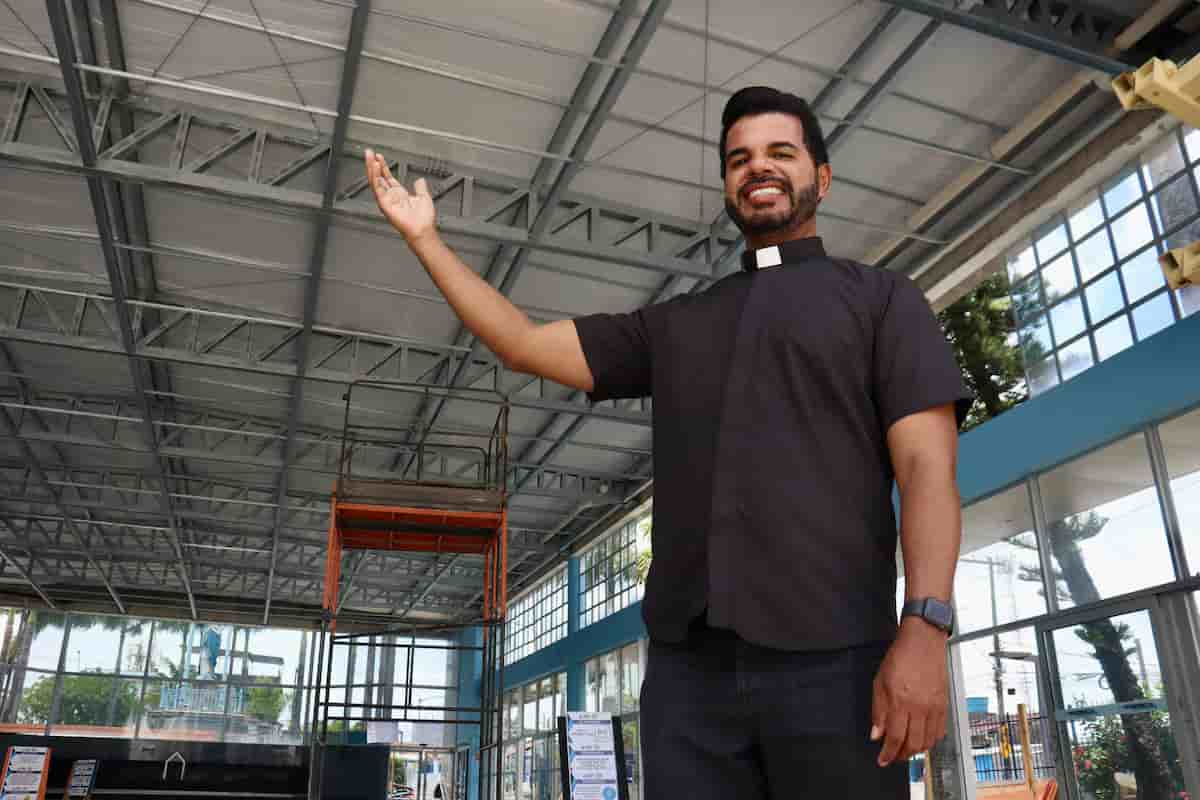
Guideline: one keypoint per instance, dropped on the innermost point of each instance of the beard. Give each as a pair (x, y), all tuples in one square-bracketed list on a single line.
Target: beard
[(803, 206)]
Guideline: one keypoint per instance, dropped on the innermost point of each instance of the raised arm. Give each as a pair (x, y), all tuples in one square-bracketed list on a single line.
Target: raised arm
[(552, 350)]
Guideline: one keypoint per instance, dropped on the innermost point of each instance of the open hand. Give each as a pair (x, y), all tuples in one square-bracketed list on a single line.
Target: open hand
[(911, 693), (411, 214)]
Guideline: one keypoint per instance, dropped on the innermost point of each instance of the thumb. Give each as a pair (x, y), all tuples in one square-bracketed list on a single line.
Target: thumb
[(421, 187)]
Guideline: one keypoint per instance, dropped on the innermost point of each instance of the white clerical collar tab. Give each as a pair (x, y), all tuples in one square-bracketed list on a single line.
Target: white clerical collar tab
[(767, 257)]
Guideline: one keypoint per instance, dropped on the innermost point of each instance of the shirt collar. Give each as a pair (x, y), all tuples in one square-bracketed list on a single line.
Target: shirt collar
[(786, 253)]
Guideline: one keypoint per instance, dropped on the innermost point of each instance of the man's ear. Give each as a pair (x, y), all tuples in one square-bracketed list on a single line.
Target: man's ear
[(824, 180)]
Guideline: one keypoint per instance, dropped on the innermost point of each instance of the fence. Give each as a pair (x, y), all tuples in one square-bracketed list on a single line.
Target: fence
[(998, 749)]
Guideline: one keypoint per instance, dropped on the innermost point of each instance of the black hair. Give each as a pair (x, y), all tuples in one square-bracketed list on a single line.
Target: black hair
[(755, 100)]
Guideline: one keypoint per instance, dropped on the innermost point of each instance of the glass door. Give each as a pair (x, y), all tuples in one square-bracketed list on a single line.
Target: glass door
[(1114, 710)]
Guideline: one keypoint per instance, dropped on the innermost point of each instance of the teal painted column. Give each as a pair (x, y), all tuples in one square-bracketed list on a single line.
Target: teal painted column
[(576, 679)]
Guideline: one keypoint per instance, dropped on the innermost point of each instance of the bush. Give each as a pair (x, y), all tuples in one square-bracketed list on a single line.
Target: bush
[(1107, 752)]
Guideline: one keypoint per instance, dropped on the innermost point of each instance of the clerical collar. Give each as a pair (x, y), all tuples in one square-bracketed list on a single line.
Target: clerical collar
[(790, 251)]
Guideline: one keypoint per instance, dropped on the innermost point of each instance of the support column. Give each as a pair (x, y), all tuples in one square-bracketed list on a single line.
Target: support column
[(576, 675)]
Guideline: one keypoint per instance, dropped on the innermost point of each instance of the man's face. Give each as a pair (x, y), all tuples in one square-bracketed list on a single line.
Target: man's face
[(771, 183)]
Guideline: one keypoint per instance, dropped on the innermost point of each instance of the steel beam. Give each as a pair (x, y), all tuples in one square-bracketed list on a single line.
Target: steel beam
[(9, 427), (493, 273), (100, 195), (1072, 32), (312, 290)]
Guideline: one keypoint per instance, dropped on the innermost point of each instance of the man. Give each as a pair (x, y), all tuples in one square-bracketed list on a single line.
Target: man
[(787, 399)]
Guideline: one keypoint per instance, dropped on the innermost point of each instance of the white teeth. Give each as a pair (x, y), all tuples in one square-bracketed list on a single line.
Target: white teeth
[(767, 190)]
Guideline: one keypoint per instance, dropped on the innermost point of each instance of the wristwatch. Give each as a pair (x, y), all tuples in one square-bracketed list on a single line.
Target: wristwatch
[(933, 611)]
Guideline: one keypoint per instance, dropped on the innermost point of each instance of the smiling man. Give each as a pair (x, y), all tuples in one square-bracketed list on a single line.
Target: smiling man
[(789, 399)]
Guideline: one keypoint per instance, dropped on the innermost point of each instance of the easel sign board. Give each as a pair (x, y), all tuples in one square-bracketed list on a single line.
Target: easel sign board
[(593, 757), (24, 774), (83, 779)]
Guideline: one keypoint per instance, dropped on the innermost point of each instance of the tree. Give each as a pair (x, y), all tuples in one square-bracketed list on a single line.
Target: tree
[(265, 702), (1074, 584), (85, 701), (981, 327)]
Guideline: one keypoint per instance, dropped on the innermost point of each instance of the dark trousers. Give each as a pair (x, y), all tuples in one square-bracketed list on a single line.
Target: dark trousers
[(728, 720)]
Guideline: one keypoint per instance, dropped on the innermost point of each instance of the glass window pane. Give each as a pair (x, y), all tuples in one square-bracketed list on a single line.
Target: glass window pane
[(610, 684), (1162, 162), (1021, 264), (1087, 217), (1121, 194), (1152, 316), (546, 704), (1082, 650), (1191, 141), (631, 679), (1043, 375), (1104, 297), (97, 705), (134, 652), (36, 690), (1035, 340), (1189, 300), (529, 716), (1113, 337), (990, 674), (46, 642), (999, 577), (1075, 358), (593, 670), (1181, 446), (1067, 319), (274, 655), (1059, 277), (1102, 515), (560, 694), (1027, 298), (1131, 231), (191, 710), (1051, 243), (1094, 255), (92, 646), (1142, 275), (1173, 205)]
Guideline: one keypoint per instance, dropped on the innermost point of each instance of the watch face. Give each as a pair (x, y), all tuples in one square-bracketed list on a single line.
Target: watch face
[(939, 613)]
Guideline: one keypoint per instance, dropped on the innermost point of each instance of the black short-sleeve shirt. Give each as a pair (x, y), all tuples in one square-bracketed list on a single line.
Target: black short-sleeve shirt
[(773, 393)]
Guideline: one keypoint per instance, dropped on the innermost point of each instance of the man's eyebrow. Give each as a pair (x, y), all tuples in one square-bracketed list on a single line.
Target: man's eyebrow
[(772, 146)]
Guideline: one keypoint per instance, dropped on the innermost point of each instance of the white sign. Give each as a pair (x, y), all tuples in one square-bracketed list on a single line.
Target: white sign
[(23, 779), (83, 774), (591, 756)]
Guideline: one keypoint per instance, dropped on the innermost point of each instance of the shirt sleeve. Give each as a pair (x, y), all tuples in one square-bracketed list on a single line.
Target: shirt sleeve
[(915, 367), (617, 348)]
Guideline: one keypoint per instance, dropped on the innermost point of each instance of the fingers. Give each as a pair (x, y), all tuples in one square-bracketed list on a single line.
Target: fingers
[(915, 741), (894, 738), (422, 188), (936, 730)]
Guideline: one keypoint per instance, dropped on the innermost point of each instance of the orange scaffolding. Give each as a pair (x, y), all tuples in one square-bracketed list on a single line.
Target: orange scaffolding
[(405, 489)]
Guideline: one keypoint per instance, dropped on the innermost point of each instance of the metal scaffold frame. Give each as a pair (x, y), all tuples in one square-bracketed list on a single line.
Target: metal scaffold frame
[(403, 489)]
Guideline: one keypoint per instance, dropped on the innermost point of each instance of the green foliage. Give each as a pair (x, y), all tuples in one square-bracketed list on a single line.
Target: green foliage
[(1108, 752), (85, 701), (981, 327), (265, 702)]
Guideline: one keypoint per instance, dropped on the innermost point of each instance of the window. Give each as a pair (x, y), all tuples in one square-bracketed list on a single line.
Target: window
[(614, 685), (1102, 515), (999, 575), (608, 571), (1095, 266), (1181, 447), (537, 618)]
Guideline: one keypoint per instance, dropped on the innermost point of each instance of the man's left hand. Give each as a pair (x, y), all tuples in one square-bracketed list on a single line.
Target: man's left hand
[(911, 693)]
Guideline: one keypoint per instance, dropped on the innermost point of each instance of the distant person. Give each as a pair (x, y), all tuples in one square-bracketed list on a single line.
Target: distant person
[(788, 399)]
